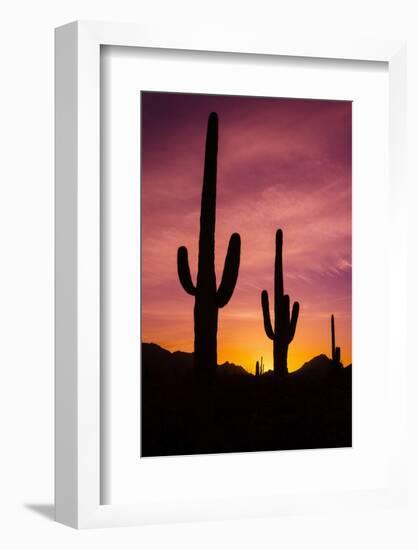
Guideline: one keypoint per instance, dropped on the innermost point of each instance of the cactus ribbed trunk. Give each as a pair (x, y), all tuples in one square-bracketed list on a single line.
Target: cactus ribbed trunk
[(205, 334), (209, 298), (280, 347), (205, 308), (280, 358)]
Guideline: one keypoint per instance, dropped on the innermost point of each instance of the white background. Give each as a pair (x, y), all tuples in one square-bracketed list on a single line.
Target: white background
[(26, 272)]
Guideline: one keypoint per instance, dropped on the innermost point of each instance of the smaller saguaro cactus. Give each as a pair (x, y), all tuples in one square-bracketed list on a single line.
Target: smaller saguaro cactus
[(335, 350), (284, 324), (257, 371)]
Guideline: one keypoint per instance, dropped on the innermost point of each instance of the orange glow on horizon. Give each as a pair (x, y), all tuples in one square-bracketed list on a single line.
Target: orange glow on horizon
[(246, 346)]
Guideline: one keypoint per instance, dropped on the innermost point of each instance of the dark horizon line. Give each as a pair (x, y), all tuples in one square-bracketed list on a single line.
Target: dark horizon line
[(241, 366)]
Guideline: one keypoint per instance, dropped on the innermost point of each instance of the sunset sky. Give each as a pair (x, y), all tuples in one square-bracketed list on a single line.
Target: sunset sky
[(283, 163)]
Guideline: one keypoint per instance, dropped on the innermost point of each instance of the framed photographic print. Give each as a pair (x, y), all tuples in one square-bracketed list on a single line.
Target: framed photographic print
[(237, 379), (229, 283)]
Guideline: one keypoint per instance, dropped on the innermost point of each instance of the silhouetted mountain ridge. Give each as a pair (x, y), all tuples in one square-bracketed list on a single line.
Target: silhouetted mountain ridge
[(317, 366), (156, 358)]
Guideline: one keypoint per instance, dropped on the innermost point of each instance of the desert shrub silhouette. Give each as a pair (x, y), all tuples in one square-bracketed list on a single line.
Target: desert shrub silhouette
[(209, 298), (284, 326)]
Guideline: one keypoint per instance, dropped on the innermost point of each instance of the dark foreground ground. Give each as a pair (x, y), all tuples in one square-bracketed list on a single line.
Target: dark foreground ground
[(239, 412)]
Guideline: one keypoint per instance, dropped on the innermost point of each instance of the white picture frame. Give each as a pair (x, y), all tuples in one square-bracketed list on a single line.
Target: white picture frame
[(78, 406)]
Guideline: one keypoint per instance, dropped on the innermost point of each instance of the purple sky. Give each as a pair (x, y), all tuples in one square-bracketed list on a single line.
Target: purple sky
[(283, 163)]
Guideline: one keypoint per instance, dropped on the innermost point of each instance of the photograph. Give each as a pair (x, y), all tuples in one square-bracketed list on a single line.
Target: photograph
[(245, 274)]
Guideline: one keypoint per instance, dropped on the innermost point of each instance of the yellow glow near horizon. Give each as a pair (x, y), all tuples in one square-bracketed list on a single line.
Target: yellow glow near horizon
[(248, 344)]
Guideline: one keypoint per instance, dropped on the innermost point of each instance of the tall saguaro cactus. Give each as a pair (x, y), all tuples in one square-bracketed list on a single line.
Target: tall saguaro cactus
[(284, 325), (335, 350), (209, 298)]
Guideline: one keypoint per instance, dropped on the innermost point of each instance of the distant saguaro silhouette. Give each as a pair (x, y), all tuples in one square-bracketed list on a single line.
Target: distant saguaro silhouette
[(284, 326), (257, 372), (209, 298), (335, 350)]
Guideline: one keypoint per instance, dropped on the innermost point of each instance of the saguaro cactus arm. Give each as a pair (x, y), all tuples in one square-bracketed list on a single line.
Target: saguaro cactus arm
[(184, 273), (230, 271), (294, 319), (267, 317)]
